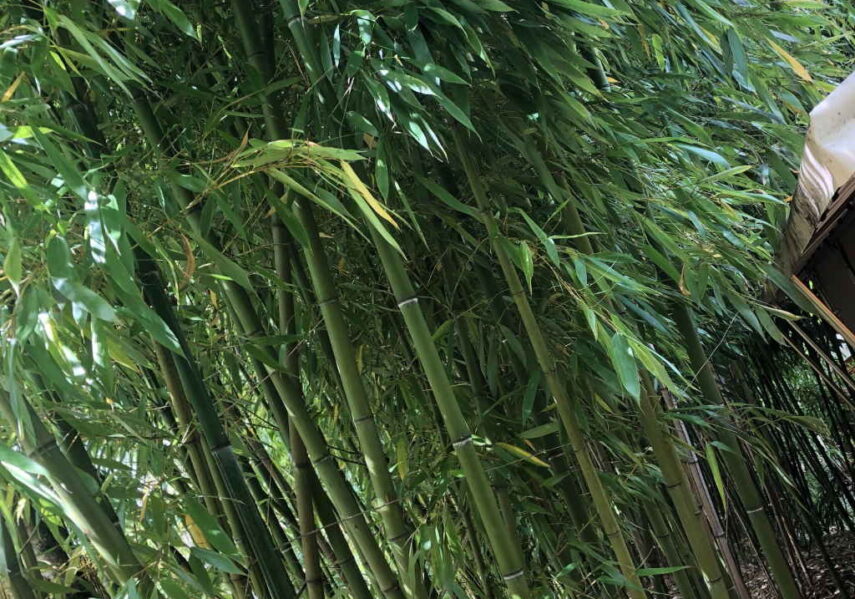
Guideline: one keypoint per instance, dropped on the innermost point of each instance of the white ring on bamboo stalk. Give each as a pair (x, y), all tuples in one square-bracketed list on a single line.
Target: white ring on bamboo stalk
[(755, 510), (461, 442), (412, 300), (513, 575)]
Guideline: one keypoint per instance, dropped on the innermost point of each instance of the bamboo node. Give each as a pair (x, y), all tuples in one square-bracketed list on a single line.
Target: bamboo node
[(463, 441), (409, 300), (513, 575), (41, 449), (329, 300), (397, 538)]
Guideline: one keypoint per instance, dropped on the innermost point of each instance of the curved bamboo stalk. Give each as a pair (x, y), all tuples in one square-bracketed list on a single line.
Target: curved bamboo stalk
[(676, 481), (256, 537), (507, 555), (302, 476), (602, 503), (338, 488), (10, 565), (251, 529), (387, 501), (81, 505), (735, 459), (203, 475), (701, 490)]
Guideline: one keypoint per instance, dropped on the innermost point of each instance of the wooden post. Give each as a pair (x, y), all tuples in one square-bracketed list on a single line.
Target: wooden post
[(825, 312)]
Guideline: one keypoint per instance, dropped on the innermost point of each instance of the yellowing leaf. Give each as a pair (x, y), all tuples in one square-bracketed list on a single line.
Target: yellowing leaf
[(190, 259), (402, 457), (196, 532), (10, 91), (797, 67), (522, 453), (359, 186)]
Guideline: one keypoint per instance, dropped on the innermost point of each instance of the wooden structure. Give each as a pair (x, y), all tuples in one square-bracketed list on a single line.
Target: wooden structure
[(817, 247), (826, 265)]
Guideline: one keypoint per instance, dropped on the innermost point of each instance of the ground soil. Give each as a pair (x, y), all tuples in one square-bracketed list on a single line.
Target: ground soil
[(841, 548)]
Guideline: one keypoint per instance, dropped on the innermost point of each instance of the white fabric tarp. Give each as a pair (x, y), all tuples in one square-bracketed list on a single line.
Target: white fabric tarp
[(827, 163)]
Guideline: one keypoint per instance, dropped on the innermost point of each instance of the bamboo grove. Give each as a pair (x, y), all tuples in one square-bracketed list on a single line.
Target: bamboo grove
[(413, 299)]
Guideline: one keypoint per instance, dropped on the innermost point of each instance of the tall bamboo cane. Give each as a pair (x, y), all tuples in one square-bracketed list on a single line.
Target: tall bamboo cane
[(344, 559), (302, 476), (251, 528), (676, 481), (338, 488), (256, 537), (735, 459), (10, 565), (205, 477), (602, 503), (77, 497), (387, 501), (507, 555)]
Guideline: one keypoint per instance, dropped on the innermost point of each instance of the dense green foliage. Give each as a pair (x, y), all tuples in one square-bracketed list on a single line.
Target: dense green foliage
[(410, 272)]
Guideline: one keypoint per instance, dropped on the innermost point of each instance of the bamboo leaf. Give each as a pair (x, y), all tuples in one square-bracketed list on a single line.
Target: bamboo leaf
[(363, 191), (226, 267), (797, 67), (712, 461), (624, 364), (523, 454)]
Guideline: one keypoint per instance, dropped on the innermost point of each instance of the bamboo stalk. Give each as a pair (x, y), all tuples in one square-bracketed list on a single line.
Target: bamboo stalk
[(302, 476), (338, 488), (256, 538), (665, 539), (203, 475), (701, 491), (219, 452), (676, 482), (78, 499), (734, 459), (602, 503), (508, 555), (10, 565), (342, 558), (387, 501)]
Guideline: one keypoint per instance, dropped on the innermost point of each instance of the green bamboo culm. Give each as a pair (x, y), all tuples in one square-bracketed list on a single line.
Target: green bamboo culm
[(256, 537), (386, 496), (507, 556), (387, 501), (76, 495), (206, 478), (665, 538), (673, 474), (10, 565), (734, 459), (302, 475), (340, 493), (677, 485), (602, 503), (153, 288)]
